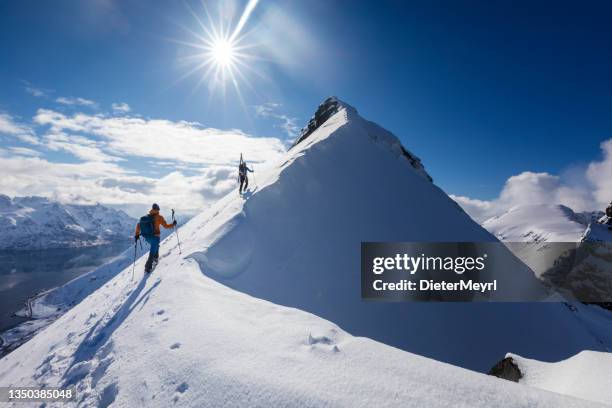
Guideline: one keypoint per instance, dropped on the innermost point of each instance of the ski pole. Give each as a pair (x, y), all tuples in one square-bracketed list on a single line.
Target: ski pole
[(134, 265), (176, 230)]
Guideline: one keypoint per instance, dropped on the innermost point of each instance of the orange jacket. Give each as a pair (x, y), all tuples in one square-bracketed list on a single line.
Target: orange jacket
[(157, 221)]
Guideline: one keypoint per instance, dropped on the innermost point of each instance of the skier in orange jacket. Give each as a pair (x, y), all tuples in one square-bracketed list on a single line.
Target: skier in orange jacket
[(148, 227)]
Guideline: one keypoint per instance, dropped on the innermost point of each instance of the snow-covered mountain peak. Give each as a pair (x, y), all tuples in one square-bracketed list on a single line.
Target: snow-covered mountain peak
[(329, 107), (5, 201), (294, 240), (565, 249), (539, 223), (41, 223), (344, 114)]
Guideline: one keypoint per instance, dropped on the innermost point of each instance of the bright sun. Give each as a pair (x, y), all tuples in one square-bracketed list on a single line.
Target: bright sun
[(223, 52)]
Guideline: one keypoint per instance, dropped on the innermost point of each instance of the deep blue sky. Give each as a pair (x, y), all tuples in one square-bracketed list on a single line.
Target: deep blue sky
[(480, 90)]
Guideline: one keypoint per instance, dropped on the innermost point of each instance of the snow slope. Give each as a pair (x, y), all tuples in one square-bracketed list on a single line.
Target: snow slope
[(39, 223), (295, 240), (539, 234), (179, 338), (568, 250), (539, 223), (44, 308), (585, 375), (600, 231), (47, 306)]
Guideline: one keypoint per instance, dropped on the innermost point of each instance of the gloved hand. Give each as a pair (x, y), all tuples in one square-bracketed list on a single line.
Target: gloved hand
[(174, 223), (136, 238)]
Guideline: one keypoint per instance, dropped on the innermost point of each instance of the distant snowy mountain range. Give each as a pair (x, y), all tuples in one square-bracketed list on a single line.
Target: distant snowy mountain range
[(541, 223), (40, 223), (566, 249)]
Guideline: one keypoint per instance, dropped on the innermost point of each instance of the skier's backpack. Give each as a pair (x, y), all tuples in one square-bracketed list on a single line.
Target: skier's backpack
[(147, 229)]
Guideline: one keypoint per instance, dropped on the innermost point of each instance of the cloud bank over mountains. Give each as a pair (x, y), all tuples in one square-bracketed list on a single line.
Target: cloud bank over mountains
[(582, 189), (122, 159)]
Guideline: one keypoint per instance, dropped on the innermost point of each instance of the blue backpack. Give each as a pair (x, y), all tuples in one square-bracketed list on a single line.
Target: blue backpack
[(147, 229)]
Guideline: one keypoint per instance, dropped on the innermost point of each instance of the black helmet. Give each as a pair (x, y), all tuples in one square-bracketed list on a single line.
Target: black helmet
[(155, 207)]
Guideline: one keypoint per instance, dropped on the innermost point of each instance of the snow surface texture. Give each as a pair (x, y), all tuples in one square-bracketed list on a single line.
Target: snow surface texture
[(585, 375), (567, 250), (44, 308), (47, 306), (39, 223), (600, 231), (177, 338), (539, 223), (295, 240), (529, 231)]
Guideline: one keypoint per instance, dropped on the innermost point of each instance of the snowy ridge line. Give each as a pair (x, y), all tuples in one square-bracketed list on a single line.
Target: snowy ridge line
[(179, 337), (583, 375)]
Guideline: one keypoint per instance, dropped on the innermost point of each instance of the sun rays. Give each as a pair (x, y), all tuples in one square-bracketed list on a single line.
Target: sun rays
[(222, 54)]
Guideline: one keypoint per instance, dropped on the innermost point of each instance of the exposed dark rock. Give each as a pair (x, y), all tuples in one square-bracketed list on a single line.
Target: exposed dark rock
[(326, 110), (414, 161), (329, 107), (506, 369), (605, 305)]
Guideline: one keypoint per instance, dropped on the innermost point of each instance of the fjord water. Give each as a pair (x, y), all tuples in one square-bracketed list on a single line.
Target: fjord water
[(24, 274)]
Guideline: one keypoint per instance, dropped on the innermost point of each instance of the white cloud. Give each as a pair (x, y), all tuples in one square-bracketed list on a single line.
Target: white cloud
[(161, 139), (9, 126), (188, 166), (266, 109), (24, 151), (79, 146), (30, 139), (19, 131), (270, 110), (479, 210), (36, 176), (121, 107), (39, 93), (581, 190), (600, 174), (109, 184), (76, 101), (178, 164), (35, 91)]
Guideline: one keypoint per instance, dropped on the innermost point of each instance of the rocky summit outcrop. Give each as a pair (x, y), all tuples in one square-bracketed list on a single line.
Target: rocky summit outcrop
[(506, 369)]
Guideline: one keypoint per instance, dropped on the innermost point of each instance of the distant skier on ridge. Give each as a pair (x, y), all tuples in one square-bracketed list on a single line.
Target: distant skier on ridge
[(242, 175), (148, 227)]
